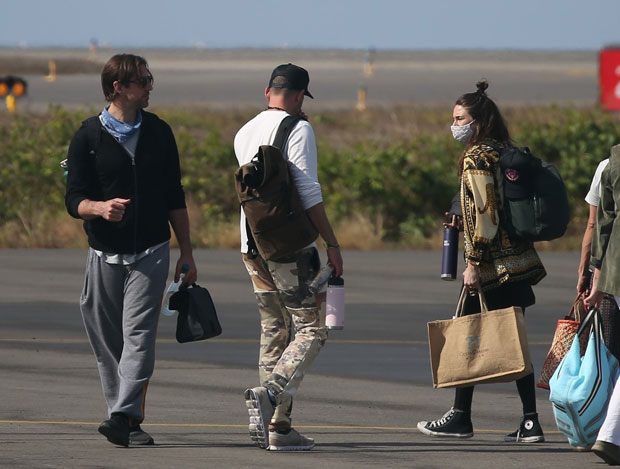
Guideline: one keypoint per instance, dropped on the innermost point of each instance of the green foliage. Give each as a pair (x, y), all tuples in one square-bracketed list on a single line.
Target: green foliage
[(208, 165), (408, 185), (399, 168), (31, 179)]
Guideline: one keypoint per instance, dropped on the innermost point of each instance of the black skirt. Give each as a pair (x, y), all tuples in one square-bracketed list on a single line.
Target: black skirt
[(506, 295)]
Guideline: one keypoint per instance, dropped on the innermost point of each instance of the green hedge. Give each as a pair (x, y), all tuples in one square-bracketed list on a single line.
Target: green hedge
[(31, 181), (406, 181)]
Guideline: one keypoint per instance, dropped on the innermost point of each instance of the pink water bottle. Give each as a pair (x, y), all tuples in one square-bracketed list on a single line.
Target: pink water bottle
[(334, 307)]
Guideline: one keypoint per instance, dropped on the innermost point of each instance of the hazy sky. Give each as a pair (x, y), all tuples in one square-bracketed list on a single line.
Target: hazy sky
[(358, 24)]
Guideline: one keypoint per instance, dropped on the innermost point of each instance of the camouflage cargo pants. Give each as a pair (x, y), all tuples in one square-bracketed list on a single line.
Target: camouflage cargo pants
[(281, 290)]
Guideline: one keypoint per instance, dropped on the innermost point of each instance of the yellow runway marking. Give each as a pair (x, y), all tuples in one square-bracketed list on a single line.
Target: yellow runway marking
[(241, 341), (223, 425)]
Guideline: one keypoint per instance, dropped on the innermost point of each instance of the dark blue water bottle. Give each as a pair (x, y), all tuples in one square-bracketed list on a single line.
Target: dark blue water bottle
[(450, 253)]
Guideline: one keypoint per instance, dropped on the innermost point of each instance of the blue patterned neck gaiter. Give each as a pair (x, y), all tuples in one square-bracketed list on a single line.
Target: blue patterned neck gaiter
[(120, 130)]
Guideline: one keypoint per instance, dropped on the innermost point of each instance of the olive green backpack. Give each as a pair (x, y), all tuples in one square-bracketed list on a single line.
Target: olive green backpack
[(276, 223)]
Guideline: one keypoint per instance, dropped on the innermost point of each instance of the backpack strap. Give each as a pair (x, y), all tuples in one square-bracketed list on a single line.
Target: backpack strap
[(284, 130), (93, 134), (252, 249), (93, 138), (494, 146)]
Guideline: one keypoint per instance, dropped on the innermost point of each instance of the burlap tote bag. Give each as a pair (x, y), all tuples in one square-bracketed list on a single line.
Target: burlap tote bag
[(488, 347)]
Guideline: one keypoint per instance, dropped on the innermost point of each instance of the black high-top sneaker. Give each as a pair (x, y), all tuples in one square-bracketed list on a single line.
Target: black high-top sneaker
[(529, 431), (454, 424)]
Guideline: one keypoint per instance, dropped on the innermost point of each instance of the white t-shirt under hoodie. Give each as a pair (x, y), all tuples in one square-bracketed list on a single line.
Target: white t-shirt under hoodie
[(299, 150)]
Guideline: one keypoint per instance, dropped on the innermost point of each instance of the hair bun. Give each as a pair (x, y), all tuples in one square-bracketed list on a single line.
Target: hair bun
[(482, 86)]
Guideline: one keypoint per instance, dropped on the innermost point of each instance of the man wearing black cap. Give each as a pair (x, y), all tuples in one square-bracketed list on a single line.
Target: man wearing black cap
[(281, 288)]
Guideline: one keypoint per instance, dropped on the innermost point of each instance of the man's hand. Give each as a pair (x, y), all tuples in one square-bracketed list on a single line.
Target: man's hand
[(180, 224), (113, 210), (318, 217), (334, 258), (190, 276)]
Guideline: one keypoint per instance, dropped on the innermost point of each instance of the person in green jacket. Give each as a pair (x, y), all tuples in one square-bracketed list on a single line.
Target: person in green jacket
[(606, 240), (605, 257)]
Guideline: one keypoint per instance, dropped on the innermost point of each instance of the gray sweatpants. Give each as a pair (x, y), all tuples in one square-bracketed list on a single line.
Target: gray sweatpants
[(120, 308)]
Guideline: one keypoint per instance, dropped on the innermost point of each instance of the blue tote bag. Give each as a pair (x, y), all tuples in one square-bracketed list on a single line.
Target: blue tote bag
[(581, 387)]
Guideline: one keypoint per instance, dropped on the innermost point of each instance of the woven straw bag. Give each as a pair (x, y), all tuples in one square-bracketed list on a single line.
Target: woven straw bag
[(562, 340)]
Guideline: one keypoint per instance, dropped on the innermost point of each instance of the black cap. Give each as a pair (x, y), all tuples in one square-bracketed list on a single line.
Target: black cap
[(291, 77)]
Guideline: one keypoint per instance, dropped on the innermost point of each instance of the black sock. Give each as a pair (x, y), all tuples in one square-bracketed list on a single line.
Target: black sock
[(463, 398), (527, 393)]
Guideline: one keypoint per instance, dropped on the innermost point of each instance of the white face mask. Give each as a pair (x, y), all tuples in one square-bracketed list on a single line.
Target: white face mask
[(462, 133)]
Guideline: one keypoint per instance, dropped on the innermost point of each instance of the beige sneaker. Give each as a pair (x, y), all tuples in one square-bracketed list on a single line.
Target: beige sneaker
[(608, 452), (260, 411), (292, 441)]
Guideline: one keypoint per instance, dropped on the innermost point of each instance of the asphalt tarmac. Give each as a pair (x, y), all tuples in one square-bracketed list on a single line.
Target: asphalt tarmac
[(236, 79), (360, 400)]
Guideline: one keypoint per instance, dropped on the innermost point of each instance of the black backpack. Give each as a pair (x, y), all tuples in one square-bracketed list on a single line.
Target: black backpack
[(276, 223), (535, 199)]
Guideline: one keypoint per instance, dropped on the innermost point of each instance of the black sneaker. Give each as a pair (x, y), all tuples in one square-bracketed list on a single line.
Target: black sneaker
[(454, 424), (529, 431), (116, 429), (139, 437)]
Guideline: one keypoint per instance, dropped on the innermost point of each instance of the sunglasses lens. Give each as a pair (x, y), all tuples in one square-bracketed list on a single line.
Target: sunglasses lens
[(145, 81)]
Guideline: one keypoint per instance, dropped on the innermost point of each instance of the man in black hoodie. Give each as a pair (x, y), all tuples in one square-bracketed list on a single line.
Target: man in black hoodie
[(124, 181)]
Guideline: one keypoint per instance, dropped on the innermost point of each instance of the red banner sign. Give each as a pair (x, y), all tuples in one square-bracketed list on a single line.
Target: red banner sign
[(609, 79)]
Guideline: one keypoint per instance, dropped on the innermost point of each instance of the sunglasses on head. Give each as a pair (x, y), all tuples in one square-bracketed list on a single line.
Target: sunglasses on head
[(143, 81)]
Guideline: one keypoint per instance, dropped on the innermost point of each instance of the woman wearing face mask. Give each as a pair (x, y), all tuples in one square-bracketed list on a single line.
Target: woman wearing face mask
[(502, 267)]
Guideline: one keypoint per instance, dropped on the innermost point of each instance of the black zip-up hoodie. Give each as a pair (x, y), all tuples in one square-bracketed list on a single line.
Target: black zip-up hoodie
[(101, 169)]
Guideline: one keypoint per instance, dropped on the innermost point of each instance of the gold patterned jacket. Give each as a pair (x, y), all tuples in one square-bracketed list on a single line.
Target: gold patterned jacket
[(487, 244)]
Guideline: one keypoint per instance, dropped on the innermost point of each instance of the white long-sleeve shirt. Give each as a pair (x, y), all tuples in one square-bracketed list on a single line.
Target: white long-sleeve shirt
[(299, 150)]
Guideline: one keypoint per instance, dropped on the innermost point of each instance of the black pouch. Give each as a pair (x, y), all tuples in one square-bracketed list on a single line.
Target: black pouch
[(197, 319)]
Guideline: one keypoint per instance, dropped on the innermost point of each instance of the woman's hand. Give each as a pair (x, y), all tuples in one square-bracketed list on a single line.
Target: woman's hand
[(456, 221), (583, 285), (471, 277), (595, 297)]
